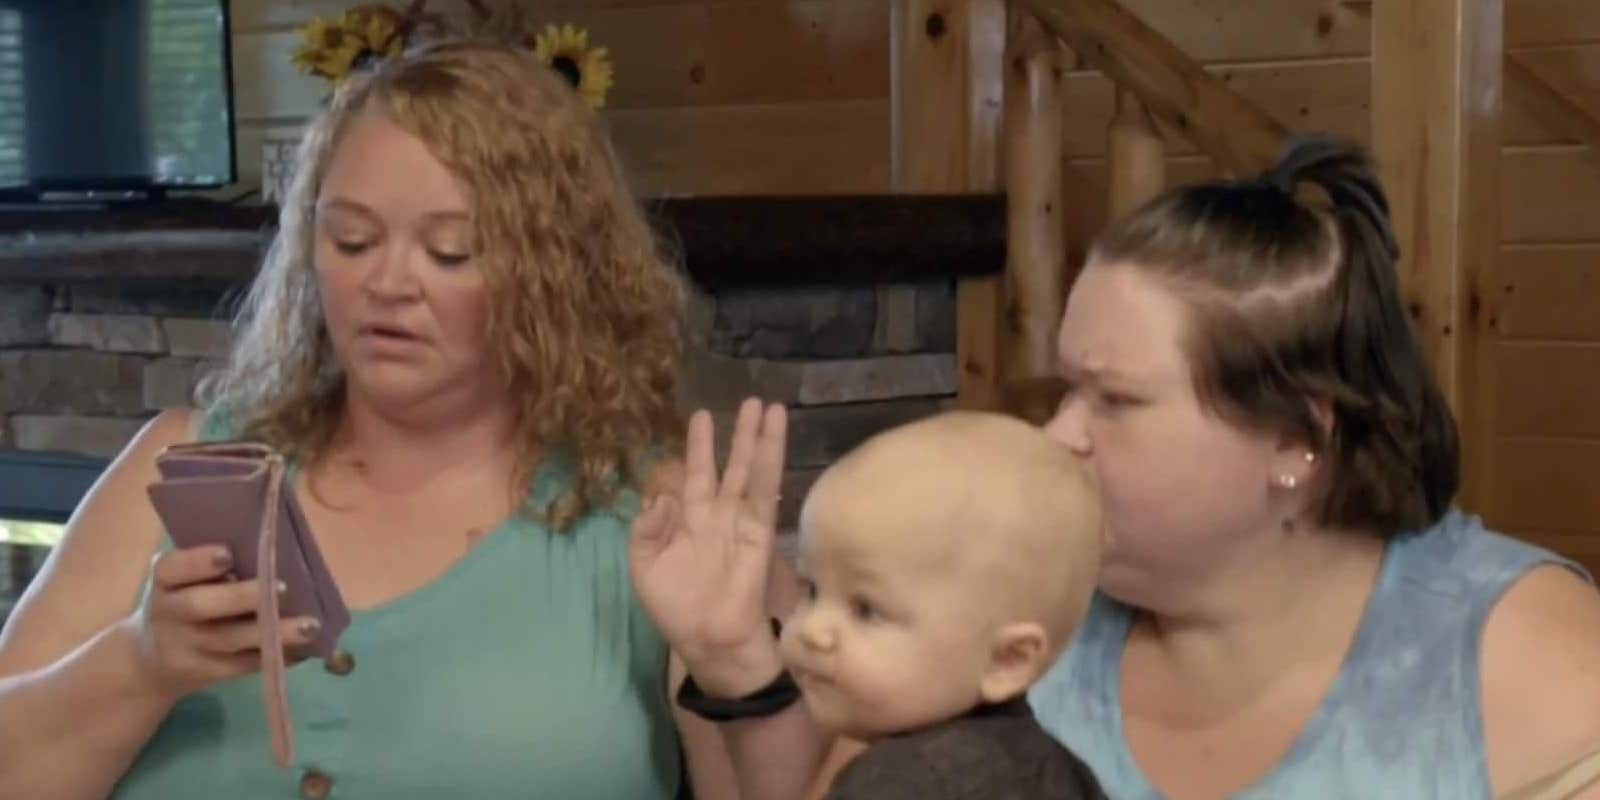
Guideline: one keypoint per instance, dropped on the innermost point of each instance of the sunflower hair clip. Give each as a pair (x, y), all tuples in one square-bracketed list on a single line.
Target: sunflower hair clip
[(367, 34), (567, 50), (334, 48)]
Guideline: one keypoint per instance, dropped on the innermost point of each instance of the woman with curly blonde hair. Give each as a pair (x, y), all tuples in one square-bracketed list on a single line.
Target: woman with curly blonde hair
[(463, 339)]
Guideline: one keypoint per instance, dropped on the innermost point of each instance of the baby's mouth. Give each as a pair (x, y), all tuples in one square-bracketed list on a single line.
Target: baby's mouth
[(806, 676)]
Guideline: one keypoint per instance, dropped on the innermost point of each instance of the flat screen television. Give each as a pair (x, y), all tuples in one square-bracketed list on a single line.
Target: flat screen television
[(112, 98)]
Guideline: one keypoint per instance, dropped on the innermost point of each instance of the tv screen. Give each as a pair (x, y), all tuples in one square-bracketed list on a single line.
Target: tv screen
[(114, 95)]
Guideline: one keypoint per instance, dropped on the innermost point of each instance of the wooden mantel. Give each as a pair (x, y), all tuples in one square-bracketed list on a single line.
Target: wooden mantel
[(722, 241)]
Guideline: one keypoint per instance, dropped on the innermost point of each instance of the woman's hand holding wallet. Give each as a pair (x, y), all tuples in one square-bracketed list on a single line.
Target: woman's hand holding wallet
[(232, 502), (197, 626)]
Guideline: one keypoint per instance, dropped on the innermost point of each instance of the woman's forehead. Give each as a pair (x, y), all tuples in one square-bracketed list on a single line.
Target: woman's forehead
[(389, 176), (1119, 321)]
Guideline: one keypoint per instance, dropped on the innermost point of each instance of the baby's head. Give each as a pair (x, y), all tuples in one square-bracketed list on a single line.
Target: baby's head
[(947, 563)]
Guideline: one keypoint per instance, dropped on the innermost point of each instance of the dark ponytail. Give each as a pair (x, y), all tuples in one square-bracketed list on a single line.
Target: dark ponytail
[(1378, 353), (1300, 305)]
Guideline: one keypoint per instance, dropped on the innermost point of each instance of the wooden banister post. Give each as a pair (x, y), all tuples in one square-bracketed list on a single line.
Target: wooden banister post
[(1436, 112), (1104, 34), (1136, 155), (1036, 250), (946, 65)]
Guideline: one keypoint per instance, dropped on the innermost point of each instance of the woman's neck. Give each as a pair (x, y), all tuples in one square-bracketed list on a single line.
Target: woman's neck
[(396, 452), (1297, 597)]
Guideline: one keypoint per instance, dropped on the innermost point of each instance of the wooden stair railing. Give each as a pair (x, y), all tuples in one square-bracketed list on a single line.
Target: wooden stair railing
[(1178, 92), (1438, 70), (1136, 156), (1554, 100), (1155, 82), (1550, 97), (1035, 286), (977, 103)]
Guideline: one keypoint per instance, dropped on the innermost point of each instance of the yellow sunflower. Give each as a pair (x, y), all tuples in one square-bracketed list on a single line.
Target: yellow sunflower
[(377, 27), (331, 49), (566, 49), (321, 52)]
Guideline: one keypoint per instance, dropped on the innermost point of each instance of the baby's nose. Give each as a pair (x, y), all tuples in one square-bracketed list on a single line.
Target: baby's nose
[(815, 633)]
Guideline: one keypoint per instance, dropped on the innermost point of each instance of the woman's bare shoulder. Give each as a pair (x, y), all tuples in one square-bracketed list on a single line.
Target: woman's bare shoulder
[(1541, 676), (94, 575)]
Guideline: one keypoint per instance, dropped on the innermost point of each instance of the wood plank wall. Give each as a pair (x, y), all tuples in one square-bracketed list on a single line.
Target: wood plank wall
[(711, 96), (1547, 432), (792, 96)]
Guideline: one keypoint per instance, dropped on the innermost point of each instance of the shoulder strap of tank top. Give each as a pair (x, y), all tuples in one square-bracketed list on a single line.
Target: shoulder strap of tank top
[(1563, 784)]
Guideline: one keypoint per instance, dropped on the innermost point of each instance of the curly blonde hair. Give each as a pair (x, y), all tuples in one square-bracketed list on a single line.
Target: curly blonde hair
[(585, 305)]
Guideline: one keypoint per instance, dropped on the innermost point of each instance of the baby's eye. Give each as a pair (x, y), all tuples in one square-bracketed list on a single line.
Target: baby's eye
[(863, 609)]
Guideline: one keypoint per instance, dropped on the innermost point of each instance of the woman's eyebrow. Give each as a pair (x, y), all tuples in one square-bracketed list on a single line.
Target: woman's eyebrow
[(1096, 372), (344, 204)]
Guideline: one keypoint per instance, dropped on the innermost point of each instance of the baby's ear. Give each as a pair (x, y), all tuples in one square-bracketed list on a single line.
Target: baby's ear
[(1017, 657)]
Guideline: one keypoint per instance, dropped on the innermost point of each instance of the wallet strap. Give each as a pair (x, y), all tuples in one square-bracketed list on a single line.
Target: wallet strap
[(272, 664)]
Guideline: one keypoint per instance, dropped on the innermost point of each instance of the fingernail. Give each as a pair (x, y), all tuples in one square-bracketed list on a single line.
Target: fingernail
[(222, 559)]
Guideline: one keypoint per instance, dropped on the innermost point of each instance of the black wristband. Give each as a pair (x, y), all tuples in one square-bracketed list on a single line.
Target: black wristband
[(766, 701)]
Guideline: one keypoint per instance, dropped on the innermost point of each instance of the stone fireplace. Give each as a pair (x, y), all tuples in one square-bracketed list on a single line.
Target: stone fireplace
[(82, 366), (100, 330)]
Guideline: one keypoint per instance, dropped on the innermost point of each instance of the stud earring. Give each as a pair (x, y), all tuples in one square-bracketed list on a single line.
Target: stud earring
[(1311, 458), (1288, 481)]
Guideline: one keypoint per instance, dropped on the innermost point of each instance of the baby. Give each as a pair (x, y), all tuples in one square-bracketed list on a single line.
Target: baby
[(947, 562)]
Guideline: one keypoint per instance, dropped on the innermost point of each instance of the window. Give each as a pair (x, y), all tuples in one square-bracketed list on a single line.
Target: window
[(23, 547), (30, 533), (13, 151), (188, 101), (37, 493)]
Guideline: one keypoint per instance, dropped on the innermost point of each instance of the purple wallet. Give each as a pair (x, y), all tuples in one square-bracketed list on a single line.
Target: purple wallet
[(233, 493)]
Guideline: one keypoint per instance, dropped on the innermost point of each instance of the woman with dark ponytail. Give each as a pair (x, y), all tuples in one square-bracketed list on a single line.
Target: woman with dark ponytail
[(1290, 607)]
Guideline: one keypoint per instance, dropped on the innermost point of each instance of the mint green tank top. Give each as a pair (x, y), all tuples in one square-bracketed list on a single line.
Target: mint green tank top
[(526, 670)]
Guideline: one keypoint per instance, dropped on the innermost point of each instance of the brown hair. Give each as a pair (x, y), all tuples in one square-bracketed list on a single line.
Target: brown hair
[(1295, 305), (585, 308)]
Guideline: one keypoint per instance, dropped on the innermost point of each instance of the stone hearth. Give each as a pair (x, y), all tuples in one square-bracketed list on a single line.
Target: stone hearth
[(103, 324)]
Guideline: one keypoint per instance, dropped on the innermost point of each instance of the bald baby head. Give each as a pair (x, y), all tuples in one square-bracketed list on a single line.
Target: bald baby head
[(981, 499)]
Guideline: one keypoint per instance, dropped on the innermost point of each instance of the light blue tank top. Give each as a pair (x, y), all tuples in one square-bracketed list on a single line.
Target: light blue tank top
[(526, 670), (1402, 717)]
